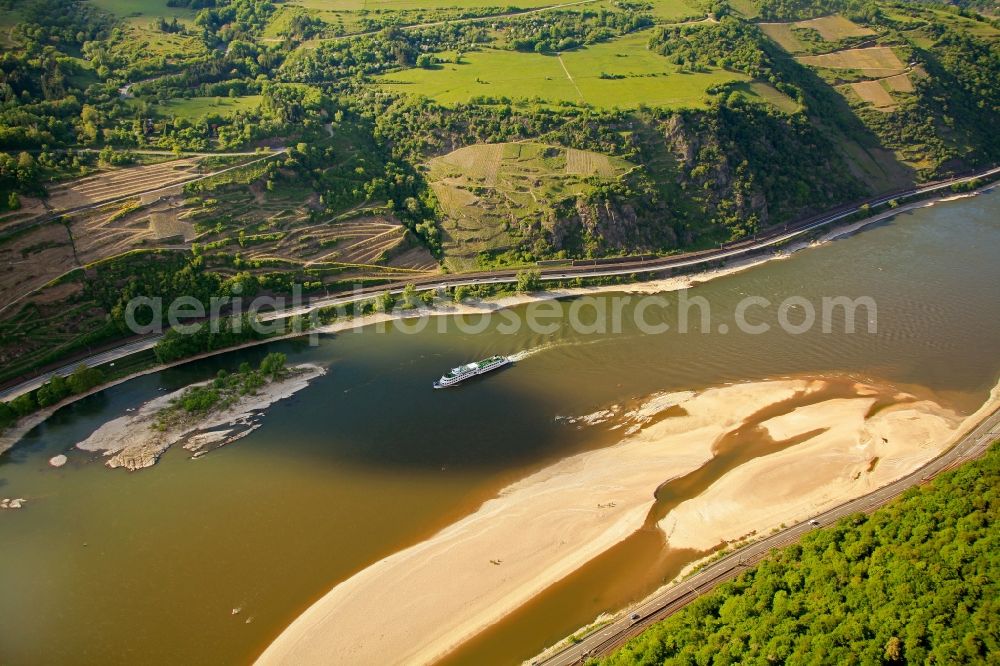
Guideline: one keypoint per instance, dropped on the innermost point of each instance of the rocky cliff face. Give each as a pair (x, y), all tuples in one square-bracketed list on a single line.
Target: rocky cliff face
[(745, 166), (605, 226), (707, 170)]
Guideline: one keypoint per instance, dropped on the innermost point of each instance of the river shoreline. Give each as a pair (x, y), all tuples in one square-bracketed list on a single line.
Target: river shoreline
[(370, 461), (731, 496), (15, 433), (431, 598)]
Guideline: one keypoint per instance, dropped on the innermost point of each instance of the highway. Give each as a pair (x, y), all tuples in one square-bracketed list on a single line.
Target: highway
[(665, 603), (608, 268)]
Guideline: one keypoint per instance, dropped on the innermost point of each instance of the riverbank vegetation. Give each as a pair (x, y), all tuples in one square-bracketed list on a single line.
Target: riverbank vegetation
[(81, 380), (914, 582), (222, 392), (409, 149)]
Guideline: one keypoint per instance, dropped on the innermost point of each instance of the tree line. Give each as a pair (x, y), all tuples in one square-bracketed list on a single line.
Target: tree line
[(917, 581)]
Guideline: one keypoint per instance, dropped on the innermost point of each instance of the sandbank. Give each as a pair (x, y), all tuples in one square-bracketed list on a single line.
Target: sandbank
[(418, 604)]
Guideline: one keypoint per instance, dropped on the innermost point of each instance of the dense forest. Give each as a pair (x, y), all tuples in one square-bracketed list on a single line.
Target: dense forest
[(917, 581)]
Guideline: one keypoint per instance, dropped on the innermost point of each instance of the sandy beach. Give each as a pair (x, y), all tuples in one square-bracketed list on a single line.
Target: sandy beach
[(420, 603), (852, 457), (132, 442)]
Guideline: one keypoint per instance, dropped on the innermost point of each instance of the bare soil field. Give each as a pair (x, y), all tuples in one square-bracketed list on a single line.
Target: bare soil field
[(363, 240), (873, 61), (416, 259), (835, 27), (164, 225), (30, 207), (277, 235), (782, 35), (120, 183), (32, 259), (873, 93), (279, 230), (110, 230), (900, 83)]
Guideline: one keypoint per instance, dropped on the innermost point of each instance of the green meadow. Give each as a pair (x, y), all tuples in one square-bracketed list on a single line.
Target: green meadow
[(409, 5), (675, 10), (621, 73), (745, 7), (669, 10), (143, 8), (8, 19), (199, 107), (765, 92)]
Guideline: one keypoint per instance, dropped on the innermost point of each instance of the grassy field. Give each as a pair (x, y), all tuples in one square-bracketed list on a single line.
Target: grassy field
[(632, 75), (900, 83), (675, 10), (492, 195), (8, 19), (282, 18), (978, 28), (830, 28), (746, 8), (199, 107), (147, 43), (765, 92), (144, 8), (489, 73)]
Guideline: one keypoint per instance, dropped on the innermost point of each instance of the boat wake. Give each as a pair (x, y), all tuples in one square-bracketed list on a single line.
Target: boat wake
[(528, 353)]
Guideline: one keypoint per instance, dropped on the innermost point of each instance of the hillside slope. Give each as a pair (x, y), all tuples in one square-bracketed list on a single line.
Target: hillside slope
[(687, 125)]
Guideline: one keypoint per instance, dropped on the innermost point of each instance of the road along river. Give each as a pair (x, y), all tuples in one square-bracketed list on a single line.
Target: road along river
[(107, 566)]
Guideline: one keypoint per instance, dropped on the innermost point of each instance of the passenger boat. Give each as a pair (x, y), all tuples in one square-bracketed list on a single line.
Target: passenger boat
[(470, 370)]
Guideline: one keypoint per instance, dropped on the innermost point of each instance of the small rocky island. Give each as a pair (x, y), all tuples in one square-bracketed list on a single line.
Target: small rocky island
[(201, 416)]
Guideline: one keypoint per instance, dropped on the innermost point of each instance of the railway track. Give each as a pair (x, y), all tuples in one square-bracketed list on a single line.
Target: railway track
[(667, 602), (605, 268)]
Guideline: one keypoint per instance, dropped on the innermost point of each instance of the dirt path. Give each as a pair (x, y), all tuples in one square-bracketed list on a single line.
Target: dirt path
[(570, 77)]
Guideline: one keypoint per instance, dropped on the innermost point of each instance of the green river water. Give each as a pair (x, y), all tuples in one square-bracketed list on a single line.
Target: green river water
[(108, 567)]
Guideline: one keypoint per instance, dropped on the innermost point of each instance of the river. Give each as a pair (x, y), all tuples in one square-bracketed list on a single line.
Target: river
[(106, 566)]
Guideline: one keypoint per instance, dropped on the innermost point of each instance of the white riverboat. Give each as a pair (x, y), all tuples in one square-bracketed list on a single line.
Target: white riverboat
[(470, 370)]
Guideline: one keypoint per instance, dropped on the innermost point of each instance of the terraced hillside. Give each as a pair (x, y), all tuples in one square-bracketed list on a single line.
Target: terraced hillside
[(887, 80), (409, 134), (64, 276), (494, 195), (121, 183)]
